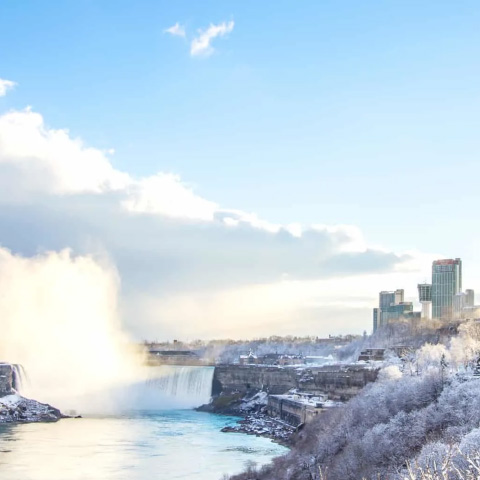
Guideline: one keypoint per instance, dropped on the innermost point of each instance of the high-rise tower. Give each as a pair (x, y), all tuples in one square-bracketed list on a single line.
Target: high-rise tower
[(391, 306), (470, 300), (463, 303), (446, 283), (385, 299), (425, 297)]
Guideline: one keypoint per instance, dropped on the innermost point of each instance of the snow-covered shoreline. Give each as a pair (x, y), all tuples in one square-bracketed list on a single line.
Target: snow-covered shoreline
[(262, 425), (253, 419), (17, 409)]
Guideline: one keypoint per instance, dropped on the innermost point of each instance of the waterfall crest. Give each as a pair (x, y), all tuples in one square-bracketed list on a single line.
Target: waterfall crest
[(180, 386)]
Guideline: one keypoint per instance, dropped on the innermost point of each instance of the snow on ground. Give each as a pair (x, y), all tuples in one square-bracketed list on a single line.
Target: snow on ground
[(262, 425), (15, 408), (10, 400), (258, 400), (316, 401)]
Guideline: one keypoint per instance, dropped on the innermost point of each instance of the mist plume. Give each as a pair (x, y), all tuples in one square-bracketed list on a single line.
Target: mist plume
[(59, 319)]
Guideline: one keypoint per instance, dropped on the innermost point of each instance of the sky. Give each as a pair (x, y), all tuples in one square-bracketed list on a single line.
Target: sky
[(245, 168)]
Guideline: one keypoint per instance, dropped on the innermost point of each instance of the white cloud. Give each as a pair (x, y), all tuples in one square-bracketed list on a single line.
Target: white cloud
[(186, 264), (176, 30), (165, 194), (235, 218), (46, 160), (201, 45), (5, 85), (50, 160)]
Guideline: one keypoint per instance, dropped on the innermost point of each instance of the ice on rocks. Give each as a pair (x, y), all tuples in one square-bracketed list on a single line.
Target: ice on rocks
[(15, 408)]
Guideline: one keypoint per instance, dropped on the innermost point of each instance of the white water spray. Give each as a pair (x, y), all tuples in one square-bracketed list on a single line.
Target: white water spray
[(59, 320)]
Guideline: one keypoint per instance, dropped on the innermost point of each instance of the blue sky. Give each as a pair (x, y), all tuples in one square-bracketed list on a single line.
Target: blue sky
[(361, 113)]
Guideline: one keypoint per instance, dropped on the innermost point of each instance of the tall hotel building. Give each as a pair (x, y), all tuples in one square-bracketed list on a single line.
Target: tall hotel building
[(446, 283)]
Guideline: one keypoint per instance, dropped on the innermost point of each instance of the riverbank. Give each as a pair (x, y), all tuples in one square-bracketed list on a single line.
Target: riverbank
[(261, 425), (253, 417)]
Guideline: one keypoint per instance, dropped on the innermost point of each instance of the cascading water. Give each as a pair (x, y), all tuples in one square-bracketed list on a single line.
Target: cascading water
[(20, 378), (179, 386)]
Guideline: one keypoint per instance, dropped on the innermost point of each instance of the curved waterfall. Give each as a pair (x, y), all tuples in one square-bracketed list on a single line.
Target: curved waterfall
[(180, 386)]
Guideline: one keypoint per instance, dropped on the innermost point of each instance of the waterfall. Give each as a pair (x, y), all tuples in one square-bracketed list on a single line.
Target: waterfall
[(19, 378), (180, 386)]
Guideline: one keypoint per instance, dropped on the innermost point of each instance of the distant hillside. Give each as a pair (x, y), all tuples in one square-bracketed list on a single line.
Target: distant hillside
[(229, 351)]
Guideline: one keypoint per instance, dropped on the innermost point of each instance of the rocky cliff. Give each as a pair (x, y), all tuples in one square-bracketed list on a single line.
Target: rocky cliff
[(245, 378), (6, 379), (338, 381)]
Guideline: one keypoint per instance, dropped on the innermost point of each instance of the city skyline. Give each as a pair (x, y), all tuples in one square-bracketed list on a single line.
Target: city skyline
[(441, 299)]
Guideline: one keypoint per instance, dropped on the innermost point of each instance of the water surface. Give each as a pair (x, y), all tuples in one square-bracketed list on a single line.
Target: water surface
[(174, 444)]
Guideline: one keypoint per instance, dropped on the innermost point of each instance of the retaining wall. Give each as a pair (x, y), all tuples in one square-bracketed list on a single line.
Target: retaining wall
[(339, 382)]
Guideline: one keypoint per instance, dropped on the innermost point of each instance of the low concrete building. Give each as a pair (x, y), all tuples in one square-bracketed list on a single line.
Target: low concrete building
[(250, 359), (271, 359), (281, 359), (372, 354), (297, 408)]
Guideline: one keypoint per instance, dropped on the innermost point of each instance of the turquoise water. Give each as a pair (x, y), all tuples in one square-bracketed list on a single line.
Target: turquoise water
[(174, 444)]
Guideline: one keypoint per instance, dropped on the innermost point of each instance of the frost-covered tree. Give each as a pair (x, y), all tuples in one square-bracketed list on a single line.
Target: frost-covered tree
[(419, 421), (465, 347)]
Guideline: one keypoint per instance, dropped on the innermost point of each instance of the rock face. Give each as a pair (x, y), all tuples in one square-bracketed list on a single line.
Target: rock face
[(245, 378), (15, 408), (6, 379), (255, 420), (340, 382), (262, 425)]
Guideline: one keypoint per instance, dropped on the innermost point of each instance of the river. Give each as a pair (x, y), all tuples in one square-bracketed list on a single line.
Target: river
[(154, 443), (173, 444)]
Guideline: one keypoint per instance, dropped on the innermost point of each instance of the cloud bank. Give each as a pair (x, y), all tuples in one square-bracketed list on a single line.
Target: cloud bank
[(187, 266)]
